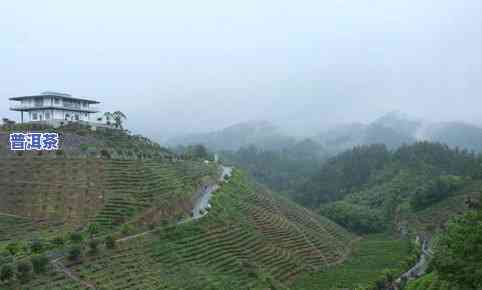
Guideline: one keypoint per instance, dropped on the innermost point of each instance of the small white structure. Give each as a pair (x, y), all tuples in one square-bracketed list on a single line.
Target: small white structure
[(54, 108)]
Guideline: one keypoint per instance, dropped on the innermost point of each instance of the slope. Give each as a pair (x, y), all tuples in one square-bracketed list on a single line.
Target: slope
[(250, 238)]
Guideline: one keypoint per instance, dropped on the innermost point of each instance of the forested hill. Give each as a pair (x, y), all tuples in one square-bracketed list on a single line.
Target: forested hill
[(363, 188), (281, 170), (395, 129), (262, 134)]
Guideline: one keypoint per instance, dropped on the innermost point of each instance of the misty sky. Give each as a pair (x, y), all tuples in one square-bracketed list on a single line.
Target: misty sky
[(189, 66)]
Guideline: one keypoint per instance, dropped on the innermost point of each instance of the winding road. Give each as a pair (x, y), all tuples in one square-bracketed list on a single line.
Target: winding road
[(201, 207), (421, 266)]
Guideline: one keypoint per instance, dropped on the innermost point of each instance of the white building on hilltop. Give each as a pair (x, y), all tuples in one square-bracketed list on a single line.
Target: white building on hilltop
[(55, 108)]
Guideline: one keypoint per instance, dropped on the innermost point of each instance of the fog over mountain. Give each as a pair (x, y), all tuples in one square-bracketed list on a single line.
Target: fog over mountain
[(393, 129), (191, 67)]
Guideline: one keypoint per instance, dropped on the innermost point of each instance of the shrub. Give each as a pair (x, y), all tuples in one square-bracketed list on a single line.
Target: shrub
[(13, 248), (24, 270), (74, 253), (5, 258), (39, 263), (105, 154), (110, 242), (93, 229), (94, 246), (6, 272), (126, 229), (76, 237), (36, 246)]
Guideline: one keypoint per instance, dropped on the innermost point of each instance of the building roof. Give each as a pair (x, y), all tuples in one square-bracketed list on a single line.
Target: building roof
[(54, 94), (74, 109)]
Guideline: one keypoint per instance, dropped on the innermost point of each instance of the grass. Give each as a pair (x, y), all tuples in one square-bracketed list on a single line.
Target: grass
[(369, 258)]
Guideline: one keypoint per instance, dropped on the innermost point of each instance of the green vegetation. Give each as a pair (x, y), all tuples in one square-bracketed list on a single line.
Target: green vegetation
[(436, 190), (39, 263), (431, 282), (369, 258), (113, 209), (342, 174), (458, 255), (368, 185), (352, 216), (283, 170), (249, 239)]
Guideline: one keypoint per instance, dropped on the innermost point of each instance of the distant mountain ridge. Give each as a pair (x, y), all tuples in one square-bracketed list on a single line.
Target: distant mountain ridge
[(395, 129), (392, 129), (262, 134)]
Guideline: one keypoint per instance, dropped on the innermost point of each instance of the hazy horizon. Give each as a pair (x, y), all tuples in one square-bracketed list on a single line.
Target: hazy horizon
[(185, 67)]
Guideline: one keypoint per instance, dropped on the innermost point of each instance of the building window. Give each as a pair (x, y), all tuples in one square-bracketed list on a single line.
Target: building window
[(34, 116), (38, 102), (56, 101), (77, 117), (47, 115)]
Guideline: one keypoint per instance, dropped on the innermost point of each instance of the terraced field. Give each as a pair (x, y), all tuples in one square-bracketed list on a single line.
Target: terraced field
[(53, 281), (19, 228), (249, 239), (51, 194)]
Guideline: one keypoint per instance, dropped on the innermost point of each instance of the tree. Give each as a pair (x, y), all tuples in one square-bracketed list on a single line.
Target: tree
[(7, 123), (5, 258), (13, 248), (36, 246), (199, 151), (458, 256), (24, 271), (126, 229), (93, 229), (6, 272), (118, 118), (76, 237), (110, 242), (39, 263), (74, 253), (93, 246)]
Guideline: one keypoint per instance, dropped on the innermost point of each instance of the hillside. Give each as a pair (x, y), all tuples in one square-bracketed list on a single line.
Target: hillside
[(248, 239), (262, 134), (80, 141), (77, 191), (456, 134), (395, 129), (368, 188), (55, 205), (281, 170)]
